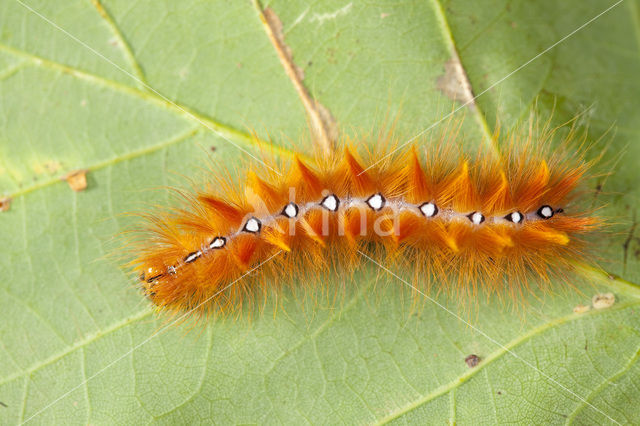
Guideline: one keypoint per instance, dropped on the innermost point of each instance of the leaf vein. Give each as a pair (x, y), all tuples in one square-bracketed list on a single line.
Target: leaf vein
[(606, 382), (90, 338), (505, 349), (447, 34), (122, 42)]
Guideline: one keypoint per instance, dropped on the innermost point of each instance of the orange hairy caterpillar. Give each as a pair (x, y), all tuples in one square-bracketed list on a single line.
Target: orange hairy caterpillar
[(491, 222)]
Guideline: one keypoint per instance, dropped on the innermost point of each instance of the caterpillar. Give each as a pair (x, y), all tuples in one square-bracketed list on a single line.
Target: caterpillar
[(497, 222)]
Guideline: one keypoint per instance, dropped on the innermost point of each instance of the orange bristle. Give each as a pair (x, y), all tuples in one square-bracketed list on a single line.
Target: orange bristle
[(502, 224)]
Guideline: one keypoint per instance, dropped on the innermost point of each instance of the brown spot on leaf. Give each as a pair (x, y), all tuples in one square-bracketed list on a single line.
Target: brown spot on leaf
[(77, 180), (5, 203), (472, 360), (454, 83)]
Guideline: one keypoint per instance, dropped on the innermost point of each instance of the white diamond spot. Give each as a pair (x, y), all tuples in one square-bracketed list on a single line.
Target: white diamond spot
[(376, 201), (291, 210), (218, 242), (330, 203), (477, 218), (252, 225), (428, 209)]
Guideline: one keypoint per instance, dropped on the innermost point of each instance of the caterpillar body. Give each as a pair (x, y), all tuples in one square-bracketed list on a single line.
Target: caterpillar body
[(497, 222)]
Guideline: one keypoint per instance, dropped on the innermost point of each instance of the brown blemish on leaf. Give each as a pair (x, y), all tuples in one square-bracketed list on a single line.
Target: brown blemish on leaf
[(603, 301), (5, 203), (454, 83), (472, 360), (77, 180), (323, 125)]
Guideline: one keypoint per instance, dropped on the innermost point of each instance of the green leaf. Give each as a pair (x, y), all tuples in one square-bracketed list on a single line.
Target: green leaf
[(131, 90)]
